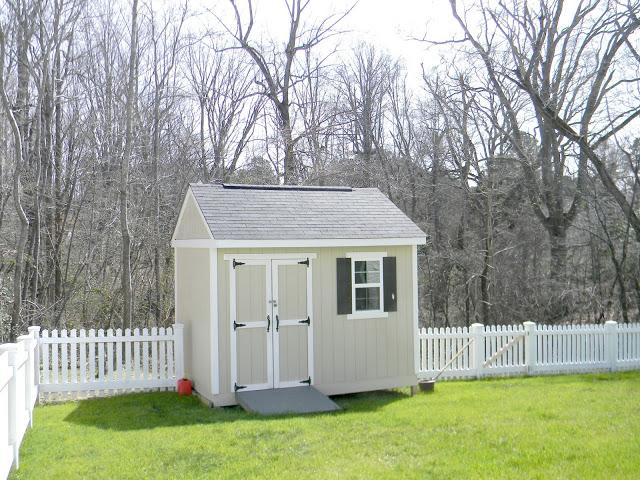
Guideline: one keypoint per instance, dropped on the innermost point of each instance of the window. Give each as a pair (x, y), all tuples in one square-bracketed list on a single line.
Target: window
[(367, 285)]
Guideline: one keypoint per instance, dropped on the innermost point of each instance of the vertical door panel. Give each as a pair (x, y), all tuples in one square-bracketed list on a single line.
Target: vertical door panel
[(293, 354), (291, 338), (254, 355)]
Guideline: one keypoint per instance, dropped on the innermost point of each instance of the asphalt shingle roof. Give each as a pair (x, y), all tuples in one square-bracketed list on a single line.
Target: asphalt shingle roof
[(251, 212)]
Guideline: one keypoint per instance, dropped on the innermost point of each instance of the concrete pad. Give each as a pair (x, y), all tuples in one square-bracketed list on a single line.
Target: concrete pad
[(279, 401)]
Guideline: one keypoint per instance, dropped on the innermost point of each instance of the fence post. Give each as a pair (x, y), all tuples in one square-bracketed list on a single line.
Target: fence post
[(531, 347), (12, 350), (477, 347), (34, 331), (27, 341), (611, 343), (178, 349)]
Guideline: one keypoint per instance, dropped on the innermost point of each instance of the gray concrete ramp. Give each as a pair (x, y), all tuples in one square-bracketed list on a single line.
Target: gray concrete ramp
[(285, 400)]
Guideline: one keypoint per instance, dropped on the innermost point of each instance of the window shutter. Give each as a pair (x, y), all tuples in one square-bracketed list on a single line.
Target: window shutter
[(343, 275), (389, 279)]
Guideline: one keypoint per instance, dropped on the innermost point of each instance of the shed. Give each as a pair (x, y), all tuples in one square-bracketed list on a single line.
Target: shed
[(283, 286)]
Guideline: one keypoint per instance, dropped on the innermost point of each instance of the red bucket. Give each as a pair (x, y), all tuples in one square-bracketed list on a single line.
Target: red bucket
[(184, 386)]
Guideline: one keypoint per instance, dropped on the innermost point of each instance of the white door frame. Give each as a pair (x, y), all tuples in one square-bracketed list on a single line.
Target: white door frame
[(291, 323), (266, 259), (255, 324)]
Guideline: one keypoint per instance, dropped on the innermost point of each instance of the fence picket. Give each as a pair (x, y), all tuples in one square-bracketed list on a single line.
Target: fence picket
[(100, 358), (119, 367), (82, 349), (154, 355), (171, 373), (127, 345), (92, 357), (136, 356), (162, 355), (145, 355), (54, 358), (73, 360), (64, 364), (44, 354)]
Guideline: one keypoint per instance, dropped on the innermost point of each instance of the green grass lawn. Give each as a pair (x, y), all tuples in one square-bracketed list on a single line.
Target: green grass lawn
[(584, 426)]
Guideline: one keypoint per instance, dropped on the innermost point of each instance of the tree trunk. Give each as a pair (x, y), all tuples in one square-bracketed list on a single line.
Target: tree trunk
[(18, 155), (157, 245), (203, 151), (124, 176), (290, 176), (558, 256)]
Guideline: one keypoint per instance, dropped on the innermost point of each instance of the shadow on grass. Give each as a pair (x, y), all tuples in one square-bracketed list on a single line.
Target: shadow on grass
[(146, 411)]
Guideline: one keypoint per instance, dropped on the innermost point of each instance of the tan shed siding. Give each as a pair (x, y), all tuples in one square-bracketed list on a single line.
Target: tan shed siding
[(191, 226), (192, 309), (345, 351)]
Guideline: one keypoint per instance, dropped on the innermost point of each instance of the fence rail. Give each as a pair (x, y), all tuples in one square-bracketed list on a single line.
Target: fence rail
[(527, 349)]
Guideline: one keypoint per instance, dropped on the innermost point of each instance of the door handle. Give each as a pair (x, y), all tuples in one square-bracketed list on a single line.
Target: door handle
[(268, 322), (277, 323)]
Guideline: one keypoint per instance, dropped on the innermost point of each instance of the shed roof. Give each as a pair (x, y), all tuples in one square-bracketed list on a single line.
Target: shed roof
[(270, 212)]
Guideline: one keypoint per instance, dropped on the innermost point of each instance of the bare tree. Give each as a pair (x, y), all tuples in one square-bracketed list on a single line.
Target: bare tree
[(364, 85), (229, 106), (554, 204), (277, 66)]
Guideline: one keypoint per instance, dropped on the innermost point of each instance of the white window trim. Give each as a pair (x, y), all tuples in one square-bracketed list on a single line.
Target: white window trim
[(364, 256)]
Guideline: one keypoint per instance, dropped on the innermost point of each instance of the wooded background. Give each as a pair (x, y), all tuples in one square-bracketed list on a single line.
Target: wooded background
[(518, 155)]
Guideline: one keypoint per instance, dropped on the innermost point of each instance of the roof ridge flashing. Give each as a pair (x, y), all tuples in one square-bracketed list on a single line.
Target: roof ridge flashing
[(286, 188)]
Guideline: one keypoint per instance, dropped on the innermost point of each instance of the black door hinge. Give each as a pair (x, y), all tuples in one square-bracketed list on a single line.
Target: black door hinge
[(238, 325), (236, 264), (304, 262), (307, 381), (307, 321), (237, 387)]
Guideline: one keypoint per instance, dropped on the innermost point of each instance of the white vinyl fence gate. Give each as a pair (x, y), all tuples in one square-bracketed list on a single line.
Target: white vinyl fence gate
[(529, 349)]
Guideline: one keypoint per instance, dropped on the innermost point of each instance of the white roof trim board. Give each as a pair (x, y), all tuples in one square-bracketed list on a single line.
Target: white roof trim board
[(287, 216)]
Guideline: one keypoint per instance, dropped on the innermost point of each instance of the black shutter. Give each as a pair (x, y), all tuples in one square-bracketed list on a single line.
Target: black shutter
[(343, 276), (389, 278)]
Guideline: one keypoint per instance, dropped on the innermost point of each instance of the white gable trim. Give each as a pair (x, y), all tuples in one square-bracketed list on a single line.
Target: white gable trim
[(416, 311), (319, 243), (188, 195), (214, 361)]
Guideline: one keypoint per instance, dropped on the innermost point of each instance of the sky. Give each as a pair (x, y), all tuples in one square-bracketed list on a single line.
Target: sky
[(390, 25)]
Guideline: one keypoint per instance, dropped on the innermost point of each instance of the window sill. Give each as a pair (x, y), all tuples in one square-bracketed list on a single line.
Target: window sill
[(364, 315)]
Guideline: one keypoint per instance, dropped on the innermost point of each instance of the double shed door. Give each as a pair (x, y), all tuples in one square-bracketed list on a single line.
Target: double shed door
[(271, 323)]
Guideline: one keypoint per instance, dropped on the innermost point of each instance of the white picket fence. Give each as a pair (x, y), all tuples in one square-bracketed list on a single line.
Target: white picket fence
[(18, 395), (80, 363), (94, 363), (530, 349)]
